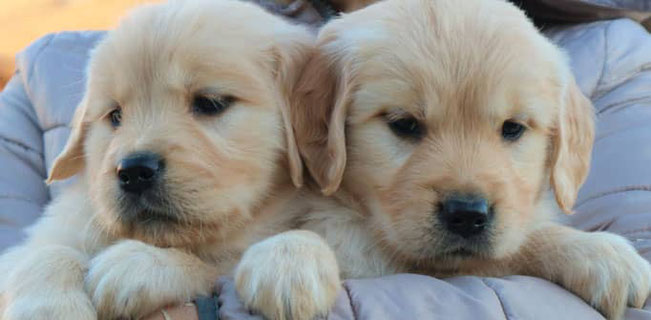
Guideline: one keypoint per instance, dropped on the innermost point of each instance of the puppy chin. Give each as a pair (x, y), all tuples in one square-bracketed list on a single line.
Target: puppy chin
[(492, 246), (154, 208), (163, 235), (481, 248), (148, 217), (160, 233)]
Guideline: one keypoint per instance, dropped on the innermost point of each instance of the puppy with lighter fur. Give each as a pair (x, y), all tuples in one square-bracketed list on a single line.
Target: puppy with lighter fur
[(449, 134), (184, 155)]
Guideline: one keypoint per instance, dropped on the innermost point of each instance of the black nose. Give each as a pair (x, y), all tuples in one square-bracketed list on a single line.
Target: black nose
[(139, 171), (465, 215)]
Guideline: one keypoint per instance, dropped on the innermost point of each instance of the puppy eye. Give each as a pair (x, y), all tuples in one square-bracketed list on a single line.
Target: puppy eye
[(407, 127), (115, 117), (210, 106), (512, 131)]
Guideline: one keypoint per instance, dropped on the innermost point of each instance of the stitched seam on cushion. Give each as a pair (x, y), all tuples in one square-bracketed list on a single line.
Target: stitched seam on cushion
[(6, 222), (603, 67), (56, 126), (22, 145), (642, 251), (12, 197), (621, 81), (350, 300), (25, 151), (38, 55), (28, 77), (615, 191), (32, 118), (638, 230), (499, 298), (624, 78), (623, 104)]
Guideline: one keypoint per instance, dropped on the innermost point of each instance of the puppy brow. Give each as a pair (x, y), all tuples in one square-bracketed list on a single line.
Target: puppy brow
[(222, 83), (210, 92), (520, 117), (401, 113), (527, 120), (100, 109)]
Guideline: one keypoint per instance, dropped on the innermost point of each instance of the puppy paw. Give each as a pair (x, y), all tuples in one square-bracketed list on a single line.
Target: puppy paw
[(611, 277), (293, 275), (50, 305), (132, 279), (44, 283)]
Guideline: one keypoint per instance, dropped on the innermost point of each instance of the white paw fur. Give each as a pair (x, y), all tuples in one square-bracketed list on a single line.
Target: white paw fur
[(293, 275), (45, 283), (131, 279), (609, 274)]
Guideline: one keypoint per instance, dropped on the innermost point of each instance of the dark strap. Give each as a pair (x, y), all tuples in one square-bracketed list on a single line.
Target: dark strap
[(207, 307), (325, 9), (550, 12), (313, 13)]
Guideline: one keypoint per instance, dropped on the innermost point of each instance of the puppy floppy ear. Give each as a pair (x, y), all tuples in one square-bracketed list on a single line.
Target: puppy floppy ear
[(290, 58), (319, 118), (71, 159), (572, 147)]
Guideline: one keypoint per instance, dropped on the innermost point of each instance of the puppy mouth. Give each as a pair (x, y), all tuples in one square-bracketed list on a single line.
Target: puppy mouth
[(462, 253), (466, 248), (153, 209), (147, 216)]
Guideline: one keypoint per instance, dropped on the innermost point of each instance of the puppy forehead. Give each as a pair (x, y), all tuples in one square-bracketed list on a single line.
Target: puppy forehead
[(180, 47), (438, 57)]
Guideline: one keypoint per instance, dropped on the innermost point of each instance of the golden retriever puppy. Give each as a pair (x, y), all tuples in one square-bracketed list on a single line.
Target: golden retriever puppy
[(183, 150), (444, 130)]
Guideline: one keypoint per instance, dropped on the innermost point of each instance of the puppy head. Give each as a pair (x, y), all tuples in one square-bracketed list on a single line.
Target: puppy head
[(184, 126), (451, 120)]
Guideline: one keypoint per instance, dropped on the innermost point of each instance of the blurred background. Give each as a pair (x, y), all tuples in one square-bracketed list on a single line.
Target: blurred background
[(23, 21)]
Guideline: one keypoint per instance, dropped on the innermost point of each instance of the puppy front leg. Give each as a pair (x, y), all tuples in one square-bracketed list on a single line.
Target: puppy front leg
[(45, 282), (292, 275), (132, 279), (602, 268)]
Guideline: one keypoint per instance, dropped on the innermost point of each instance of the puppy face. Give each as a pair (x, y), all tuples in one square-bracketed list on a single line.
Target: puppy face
[(181, 131), (451, 121)]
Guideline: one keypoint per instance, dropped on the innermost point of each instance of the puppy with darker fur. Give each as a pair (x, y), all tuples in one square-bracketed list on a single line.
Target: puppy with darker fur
[(449, 134), (183, 151)]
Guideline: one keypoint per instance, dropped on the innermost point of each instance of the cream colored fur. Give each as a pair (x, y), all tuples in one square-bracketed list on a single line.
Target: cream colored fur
[(273, 290), (227, 177), (460, 68)]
